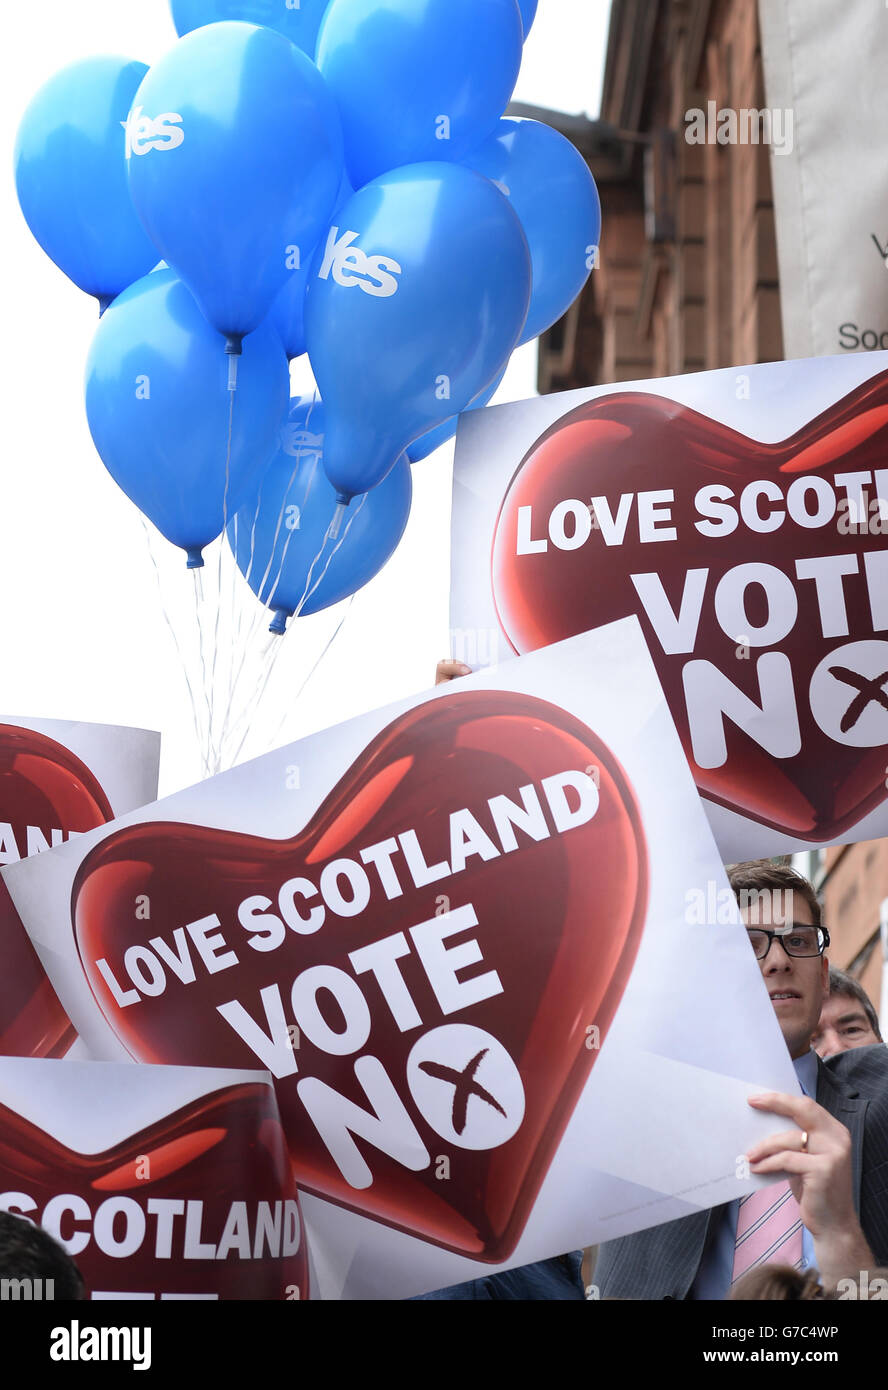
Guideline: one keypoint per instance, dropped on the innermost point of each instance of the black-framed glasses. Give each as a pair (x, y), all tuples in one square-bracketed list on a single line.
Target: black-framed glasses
[(796, 939)]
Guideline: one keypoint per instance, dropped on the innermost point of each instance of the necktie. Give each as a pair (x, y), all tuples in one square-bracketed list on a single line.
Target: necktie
[(769, 1230)]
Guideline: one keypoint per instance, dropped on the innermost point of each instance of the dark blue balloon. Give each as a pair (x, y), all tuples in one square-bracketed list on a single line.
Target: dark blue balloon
[(553, 192), (415, 302), (280, 533), (528, 10), (235, 160), (288, 310), (427, 443), (417, 79), (70, 174), (158, 409), (299, 22)]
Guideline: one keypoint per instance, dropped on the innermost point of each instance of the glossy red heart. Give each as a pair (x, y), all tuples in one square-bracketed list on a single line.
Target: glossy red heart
[(45, 786), (559, 921), (630, 442), (224, 1148)]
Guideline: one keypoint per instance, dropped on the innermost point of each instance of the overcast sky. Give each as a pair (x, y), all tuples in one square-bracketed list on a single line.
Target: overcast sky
[(85, 635)]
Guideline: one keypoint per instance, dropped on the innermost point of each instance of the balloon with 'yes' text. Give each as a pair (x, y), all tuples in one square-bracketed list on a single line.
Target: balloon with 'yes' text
[(415, 302), (235, 159)]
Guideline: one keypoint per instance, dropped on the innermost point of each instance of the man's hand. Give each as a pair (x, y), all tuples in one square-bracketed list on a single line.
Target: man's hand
[(450, 671), (820, 1176)]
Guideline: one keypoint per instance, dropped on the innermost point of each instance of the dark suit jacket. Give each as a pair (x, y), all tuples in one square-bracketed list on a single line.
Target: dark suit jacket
[(663, 1262)]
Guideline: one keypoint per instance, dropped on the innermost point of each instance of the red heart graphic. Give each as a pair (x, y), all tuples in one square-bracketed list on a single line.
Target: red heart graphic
[(227, 1147), (559, 922), (630, 442), (43, 785)]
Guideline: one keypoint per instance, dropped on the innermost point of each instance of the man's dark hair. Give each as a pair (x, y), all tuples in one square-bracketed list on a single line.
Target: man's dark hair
[(28, 1252), (842, 983), (760, 877)]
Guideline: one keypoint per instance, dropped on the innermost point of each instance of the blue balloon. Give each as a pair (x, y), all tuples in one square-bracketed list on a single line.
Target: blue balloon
[(417, 79), (528, 10), (159, 410), (288, 310), (427, 443), (415, 301), (280, 533), (235, 159), (70, 174), (550, 187), (300, 23)]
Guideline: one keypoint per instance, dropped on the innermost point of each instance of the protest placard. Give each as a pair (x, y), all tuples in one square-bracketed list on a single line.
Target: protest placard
[(57, 780), (176, 1188), (483, 941), (742, 515)]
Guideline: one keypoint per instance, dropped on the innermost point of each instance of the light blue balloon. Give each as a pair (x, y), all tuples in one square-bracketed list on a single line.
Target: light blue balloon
[(299, 22), (288, 310), (427, 443), (550, 187), (280, 533), (158, 409), (528, 10), (415, 301), (235, 161), (418, 79), (70, 175)]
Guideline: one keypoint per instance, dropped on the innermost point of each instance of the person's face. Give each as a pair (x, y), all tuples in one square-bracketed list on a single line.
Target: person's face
[(843, 1024), (797, 985)]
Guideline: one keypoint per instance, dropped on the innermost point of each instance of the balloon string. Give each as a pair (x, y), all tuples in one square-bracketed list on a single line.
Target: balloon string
[(280, 519), (215, 750), (241, 644), (235, 608), (198, 595), (270, 657), (255, 625), (259, 616), (258, 620), (261, 612), (299, 692), (278, 641), (283, 508), (309, 591), (198, 733), (235, 731), (251, 707)]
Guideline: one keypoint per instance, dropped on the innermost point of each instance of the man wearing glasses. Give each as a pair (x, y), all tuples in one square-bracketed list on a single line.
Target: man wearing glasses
[(832, 1211)]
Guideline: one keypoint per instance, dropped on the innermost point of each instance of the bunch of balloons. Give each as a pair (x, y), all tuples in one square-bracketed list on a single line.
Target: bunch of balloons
[(333, 177)]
